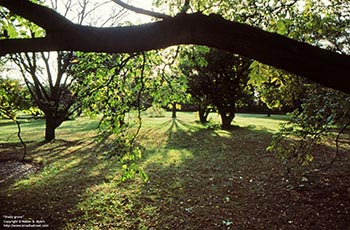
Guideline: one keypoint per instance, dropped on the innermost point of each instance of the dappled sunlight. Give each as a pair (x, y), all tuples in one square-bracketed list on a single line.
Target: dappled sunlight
[(167, 158), (222, 133), (176, 157), (215, 186), (209, 176), (171, 146)]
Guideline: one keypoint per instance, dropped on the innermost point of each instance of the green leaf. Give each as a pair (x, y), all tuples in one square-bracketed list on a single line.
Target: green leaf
[(12, 32), (281, 27)]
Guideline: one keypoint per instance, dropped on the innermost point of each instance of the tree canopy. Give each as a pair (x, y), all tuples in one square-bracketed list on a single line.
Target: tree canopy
[(323, 66)]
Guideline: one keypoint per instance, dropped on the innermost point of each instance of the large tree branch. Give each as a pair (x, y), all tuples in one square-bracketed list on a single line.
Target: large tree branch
[(319, 65)]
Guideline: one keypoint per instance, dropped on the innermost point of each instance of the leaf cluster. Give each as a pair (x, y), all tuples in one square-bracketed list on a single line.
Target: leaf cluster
[(276, 88), (325, 113), (216, 77), (113, 86), (13, 97), (13, 26)]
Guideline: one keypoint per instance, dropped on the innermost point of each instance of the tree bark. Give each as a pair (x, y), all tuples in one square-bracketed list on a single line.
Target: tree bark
[(322, 66), (268, 111), (226, 119), (173, 110), (50, 129), (203, 114)]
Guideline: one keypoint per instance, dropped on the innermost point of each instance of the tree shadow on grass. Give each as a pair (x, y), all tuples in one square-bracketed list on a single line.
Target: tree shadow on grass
[(69, 168), (226, 179)]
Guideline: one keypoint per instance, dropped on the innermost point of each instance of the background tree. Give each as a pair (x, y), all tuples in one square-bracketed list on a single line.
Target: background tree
[(192, 59), (50, 87), (46, 74), (223, 78), (47, 84)]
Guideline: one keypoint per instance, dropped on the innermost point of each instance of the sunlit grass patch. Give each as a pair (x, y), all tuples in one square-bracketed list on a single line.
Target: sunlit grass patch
[(260, 121), (222, 133), (32, 130)]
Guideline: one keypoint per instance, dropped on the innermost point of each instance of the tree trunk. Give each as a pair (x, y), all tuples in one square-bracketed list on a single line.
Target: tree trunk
[(173, 110), (50, 129), (226, 119), (268, 112), (202, 117), (203, 114)]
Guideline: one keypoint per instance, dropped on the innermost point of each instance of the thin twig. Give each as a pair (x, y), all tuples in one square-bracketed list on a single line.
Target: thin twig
[(141, 11), (337, 144), (139, 97), (20, 139), (169, 64), (13, 118)]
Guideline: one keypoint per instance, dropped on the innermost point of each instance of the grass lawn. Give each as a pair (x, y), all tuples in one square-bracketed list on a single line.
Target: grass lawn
[(199, 178)]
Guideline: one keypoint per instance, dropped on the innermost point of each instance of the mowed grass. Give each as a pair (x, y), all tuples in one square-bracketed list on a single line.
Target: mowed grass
[(199, 178)]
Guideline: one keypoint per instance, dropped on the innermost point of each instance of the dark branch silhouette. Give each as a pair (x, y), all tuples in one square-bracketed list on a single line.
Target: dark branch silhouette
[(325, 67)]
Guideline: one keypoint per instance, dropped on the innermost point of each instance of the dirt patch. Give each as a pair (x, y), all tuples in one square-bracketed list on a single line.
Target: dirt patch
[(12, 169), (11, 165)]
